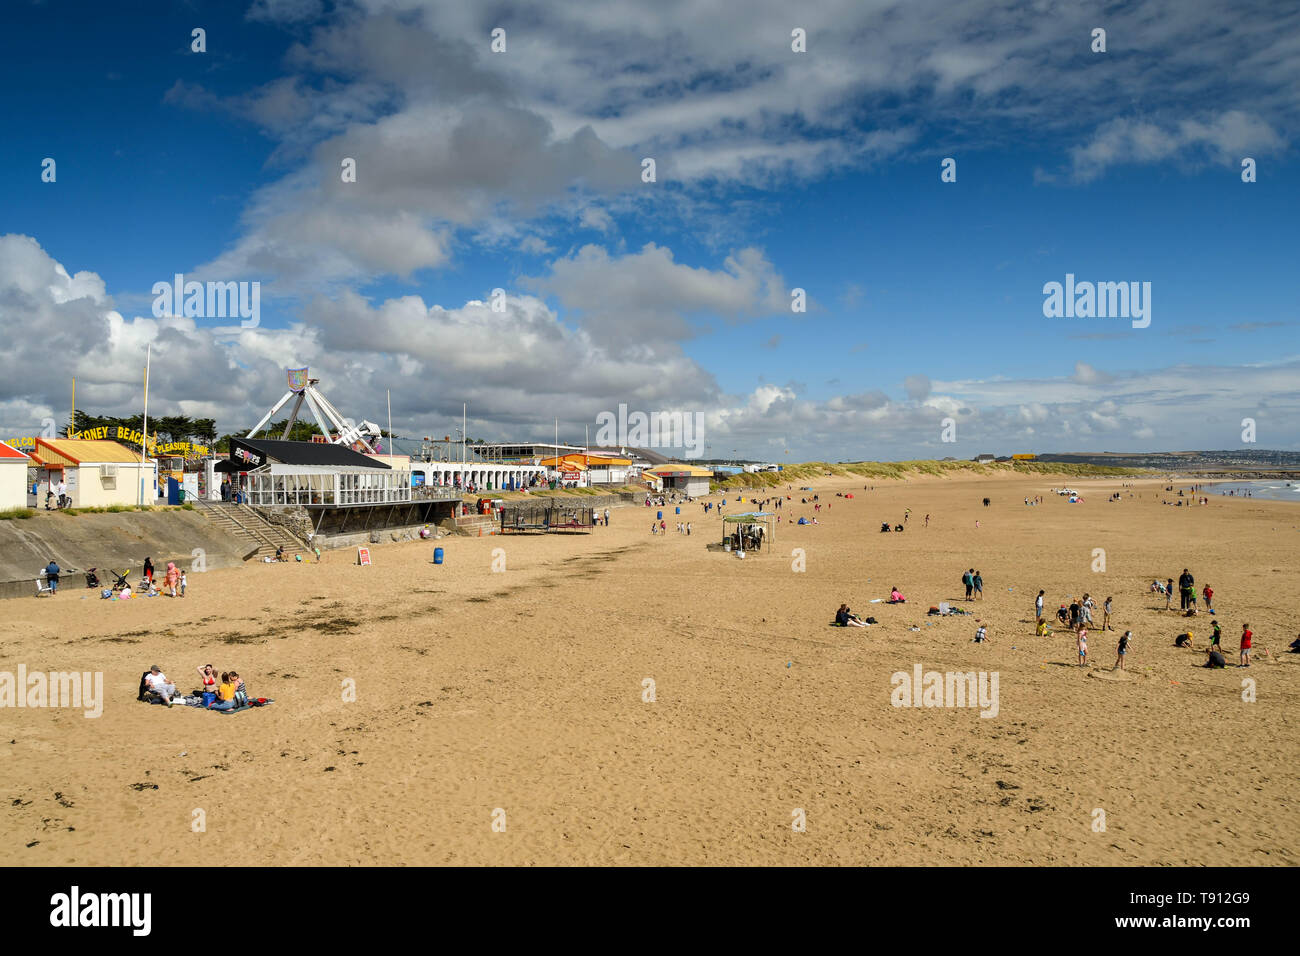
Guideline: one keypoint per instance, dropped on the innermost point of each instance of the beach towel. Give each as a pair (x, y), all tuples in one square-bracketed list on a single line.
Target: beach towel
[(251, 705)]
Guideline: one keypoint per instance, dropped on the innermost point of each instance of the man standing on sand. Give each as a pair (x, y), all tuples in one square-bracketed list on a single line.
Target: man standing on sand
[(1186, 584), (606, 517), (968, 579), (927, 521)]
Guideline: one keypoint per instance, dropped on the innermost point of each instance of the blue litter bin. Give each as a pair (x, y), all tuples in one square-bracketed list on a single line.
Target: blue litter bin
[(659, 516), (679, 511), (437, 555)]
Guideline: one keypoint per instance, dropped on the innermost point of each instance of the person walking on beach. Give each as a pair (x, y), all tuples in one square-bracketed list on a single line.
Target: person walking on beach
[(978, 581), (1105, 616), (1246, 636), (968, 579), (606, 517), (1083, 646), (52, 576), (1122, 649), (1038, 604), (1207, 592), (927, 521)]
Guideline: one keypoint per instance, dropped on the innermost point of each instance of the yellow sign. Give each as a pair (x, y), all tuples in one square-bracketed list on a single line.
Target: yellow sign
[(132, 437)]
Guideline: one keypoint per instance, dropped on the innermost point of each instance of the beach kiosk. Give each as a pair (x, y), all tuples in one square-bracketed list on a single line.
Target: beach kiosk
[(96, 473), (752, 531), (13, 477)]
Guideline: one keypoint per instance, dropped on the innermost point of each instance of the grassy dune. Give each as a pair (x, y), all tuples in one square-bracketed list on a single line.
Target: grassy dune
[(905, 469)]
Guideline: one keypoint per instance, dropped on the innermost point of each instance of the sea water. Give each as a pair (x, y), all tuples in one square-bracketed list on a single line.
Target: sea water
[(1274, 490)]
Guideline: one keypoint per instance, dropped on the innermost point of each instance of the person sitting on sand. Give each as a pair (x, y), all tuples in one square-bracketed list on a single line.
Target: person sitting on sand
[(1124, 641), (157, 682), (896, 597), (279, 554), (1183, 640), (1063, 615), (981, 635), (1295, 647), (225, 694), (208, 673), (1213, 658), (241, 693), (846, 618)]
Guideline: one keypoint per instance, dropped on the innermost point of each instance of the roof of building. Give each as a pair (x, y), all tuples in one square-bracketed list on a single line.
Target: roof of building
[(8, 452), (678, 470), (76, 451), (627, 451), (597, 461), (310, 453)]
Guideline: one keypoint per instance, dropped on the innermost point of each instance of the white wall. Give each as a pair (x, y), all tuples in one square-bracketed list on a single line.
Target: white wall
[(91, 492), (13, 484)]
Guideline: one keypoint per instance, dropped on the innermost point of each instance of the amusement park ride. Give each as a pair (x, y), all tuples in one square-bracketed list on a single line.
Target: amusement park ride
[(328, 419)]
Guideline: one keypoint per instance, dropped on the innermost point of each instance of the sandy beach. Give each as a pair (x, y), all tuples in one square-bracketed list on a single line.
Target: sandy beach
[(522, 691)]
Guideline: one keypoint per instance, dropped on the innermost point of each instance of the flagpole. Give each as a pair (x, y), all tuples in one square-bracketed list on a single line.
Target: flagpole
[(390, 421), (72, 419), (144, 422)]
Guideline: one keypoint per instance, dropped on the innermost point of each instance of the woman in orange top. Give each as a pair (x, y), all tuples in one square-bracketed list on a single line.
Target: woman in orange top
[(225, 694)]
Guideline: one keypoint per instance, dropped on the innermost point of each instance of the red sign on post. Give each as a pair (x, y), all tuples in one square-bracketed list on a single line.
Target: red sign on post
[(363, 556)]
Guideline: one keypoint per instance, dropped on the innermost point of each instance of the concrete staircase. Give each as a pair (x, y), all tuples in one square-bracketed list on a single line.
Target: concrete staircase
[(242, 521), (476, 525)]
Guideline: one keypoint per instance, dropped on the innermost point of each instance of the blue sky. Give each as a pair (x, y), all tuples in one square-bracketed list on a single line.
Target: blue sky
[(776, 170)]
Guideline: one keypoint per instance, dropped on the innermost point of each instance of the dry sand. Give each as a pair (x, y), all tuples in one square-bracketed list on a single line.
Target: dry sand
[(523, 690)]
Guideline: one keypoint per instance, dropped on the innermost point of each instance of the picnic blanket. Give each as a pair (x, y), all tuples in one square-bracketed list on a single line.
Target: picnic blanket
[(248, 706)]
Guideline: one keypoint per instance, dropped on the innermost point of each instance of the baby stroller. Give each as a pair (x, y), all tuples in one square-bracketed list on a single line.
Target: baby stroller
[(884, 527), (92, 579), (121, 579)]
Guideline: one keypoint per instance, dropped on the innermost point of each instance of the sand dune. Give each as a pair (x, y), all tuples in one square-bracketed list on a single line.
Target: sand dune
[(523, 691)]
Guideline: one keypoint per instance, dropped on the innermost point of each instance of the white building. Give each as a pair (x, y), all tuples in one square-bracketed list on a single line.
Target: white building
[(13, 478), (97, 473)]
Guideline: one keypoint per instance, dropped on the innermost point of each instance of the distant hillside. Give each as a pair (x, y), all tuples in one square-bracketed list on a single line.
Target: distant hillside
[(1227, 460)]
